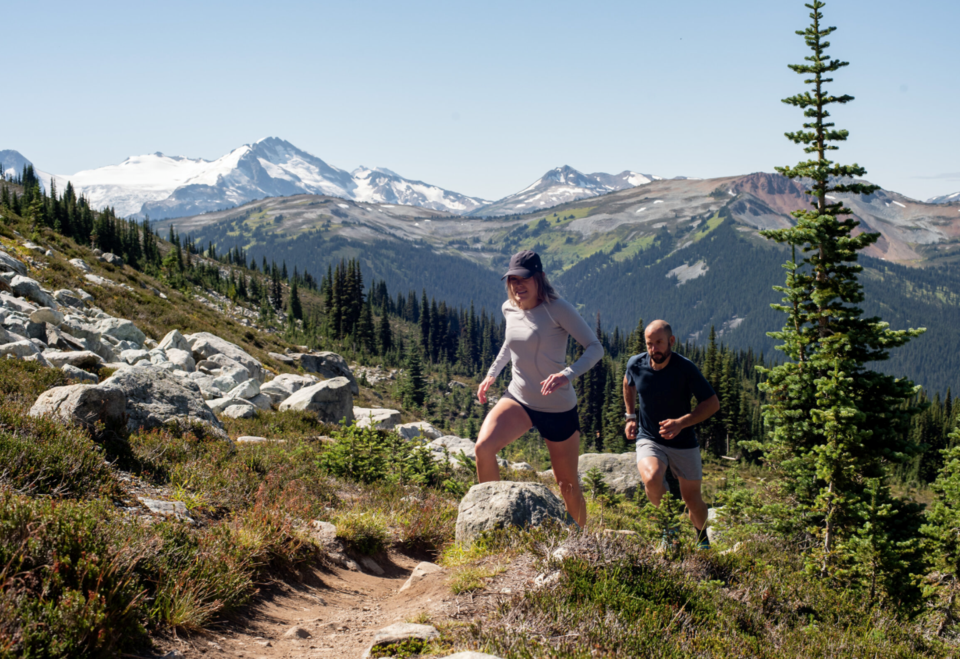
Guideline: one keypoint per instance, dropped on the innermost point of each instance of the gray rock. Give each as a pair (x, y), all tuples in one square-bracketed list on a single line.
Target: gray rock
[(422, 570), (19, 349), (521, 466), (79, 374), (78, 359), (86, 404), (173, 654), (328, 365), (17, 304), (371, 565), (240, 410), (376, 417), (246, 390), (619, 471), (174, 339), (156, 397), (251, 439), (324, 533), (134, 356), (218, 405), (470, 655), (80, 264), (714, 534), (97, 280), (122, 330), (30, 289), (228, 365), (182, 359), (204, 345), (46, 315), (166, 508), (11, 264), (79, 327), (225, 383), (283, 359), (261, 402), (83, 295), (297, 632), (418, 429), (498, 504), (39, 358), (112, 259), (454, 445), (331, 400), (68, 298), (285, 385), (401, 631), (63, 341)]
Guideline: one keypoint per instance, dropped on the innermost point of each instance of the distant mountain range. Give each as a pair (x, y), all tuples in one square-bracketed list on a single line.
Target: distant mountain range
[(945, 199), (683, 249), (161, 186)]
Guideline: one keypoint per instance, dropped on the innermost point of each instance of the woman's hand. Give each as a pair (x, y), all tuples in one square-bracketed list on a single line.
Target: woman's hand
[(482, 390), (552, 383)]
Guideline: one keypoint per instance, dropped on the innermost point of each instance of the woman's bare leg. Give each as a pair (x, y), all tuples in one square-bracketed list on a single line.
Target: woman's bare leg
[(565, 458), (504, 424)]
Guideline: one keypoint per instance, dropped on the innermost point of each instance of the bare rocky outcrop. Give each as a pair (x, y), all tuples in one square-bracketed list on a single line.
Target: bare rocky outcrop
[(453, 445), (156, 397), (418, 429), (499, 504), (205, 345), (376, 417), (77, 359), (619, 471), (84, 404), (331, 400), (327, 365), (285, 385)]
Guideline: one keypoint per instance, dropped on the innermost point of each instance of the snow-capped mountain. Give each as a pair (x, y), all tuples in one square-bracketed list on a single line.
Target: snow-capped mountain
[(944, 199), (13, 163), (380, 185), (561, 185), (162, 186)]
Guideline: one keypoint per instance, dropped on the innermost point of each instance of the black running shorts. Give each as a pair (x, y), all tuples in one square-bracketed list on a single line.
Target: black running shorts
[(552, 426)]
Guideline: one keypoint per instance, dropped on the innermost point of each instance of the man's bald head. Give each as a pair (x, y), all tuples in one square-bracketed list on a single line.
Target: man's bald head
[(659, 339), (658, 326)]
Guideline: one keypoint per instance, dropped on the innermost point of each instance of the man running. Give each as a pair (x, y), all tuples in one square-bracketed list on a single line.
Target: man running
[(664, 431)]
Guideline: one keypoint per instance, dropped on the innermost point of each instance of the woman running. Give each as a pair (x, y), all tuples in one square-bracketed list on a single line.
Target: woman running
[(540, 394)]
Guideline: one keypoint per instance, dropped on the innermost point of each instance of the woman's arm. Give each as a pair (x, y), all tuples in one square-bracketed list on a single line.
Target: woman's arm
[(502, 358), (568, 318)]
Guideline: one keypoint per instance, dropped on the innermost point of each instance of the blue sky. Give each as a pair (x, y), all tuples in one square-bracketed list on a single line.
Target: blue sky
[(481, 98)]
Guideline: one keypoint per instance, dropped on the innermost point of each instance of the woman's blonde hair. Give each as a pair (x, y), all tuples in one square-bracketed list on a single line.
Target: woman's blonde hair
[(545, 291)]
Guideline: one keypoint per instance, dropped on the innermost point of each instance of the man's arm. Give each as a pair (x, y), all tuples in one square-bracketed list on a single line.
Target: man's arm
[(703, 411), (630, 403)]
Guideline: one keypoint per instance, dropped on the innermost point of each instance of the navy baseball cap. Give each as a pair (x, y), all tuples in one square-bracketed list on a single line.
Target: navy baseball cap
[(524, 264)]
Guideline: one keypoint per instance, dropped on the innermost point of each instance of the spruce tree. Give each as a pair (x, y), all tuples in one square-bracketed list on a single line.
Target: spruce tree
[(384, 334), (294, 307), (414, 389), (836, 425)]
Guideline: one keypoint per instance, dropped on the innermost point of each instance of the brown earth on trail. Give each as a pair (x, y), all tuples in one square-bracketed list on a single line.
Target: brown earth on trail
[(336, 612)]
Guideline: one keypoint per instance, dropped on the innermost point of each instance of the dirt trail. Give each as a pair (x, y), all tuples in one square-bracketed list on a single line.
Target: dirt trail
[(341, 610)]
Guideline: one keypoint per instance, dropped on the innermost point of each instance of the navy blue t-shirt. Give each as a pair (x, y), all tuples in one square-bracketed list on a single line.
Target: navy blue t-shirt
[(665, 394)]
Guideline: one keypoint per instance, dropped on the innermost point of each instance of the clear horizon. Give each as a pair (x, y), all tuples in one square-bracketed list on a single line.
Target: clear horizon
[(482, 100)]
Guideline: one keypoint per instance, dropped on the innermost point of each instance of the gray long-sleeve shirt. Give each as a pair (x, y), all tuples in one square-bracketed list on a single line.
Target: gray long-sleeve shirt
[(536, 344)]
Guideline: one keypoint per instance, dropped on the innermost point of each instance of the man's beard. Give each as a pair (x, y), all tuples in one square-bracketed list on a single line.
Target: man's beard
[(659, 358)]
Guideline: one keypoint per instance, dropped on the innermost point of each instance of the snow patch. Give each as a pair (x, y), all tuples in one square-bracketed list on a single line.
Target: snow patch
[(899, 204), (344, 205), (685, 273), (641, 210)]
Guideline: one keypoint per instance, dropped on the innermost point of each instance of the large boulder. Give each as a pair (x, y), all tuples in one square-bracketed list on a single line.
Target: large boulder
[(331, 400), (453, 445), (619, 471), (46, 315), (205, 345), (285, 385), (328, 365), (11, 264), (17, 304), (418, 429), (182, 359), (499, 504), (240, 409), (78, 359), (174, 339), (30, 289), (156, 397), (122, 330), (83, 403), (19, 349), (376, 417)]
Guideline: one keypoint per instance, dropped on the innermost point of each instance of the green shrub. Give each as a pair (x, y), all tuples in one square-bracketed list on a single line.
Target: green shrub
[(22, 382), (47, 456), (68, 586), (364, 531)]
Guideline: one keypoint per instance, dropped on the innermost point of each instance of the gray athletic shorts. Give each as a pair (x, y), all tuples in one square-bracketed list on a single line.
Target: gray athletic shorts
[(684, 462)]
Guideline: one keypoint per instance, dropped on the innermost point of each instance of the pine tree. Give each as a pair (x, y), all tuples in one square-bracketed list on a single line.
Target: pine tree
[(293, 304), (414, 389), (639, 344), (364, 332), (836, 424), (384, 334)]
